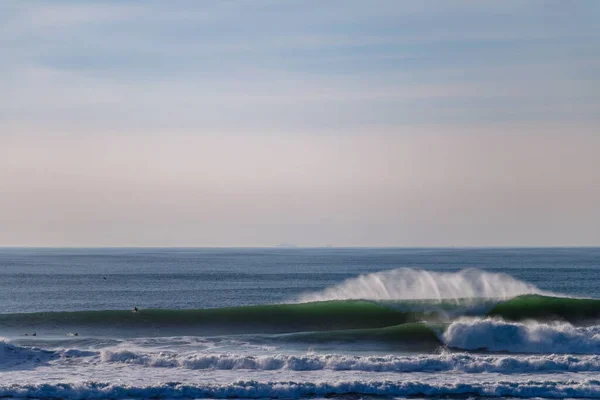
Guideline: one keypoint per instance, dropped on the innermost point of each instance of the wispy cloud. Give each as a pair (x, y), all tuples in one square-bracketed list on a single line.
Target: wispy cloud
[(271, 64), (261, 121)]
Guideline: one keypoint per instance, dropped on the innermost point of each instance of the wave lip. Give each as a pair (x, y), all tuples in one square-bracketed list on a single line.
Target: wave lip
[(275, 390), (413, 284)]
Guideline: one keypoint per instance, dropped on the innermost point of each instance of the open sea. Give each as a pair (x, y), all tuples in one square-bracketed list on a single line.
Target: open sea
[(299, 323)]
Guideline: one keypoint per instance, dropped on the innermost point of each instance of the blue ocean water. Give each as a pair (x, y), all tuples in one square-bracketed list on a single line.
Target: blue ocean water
[(72, 279), (299, 323)]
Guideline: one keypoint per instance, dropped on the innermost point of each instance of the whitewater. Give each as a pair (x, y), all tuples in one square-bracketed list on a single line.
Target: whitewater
[(239, 323)]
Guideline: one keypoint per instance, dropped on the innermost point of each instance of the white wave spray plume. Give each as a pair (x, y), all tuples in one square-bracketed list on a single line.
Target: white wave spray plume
[(413, 284)]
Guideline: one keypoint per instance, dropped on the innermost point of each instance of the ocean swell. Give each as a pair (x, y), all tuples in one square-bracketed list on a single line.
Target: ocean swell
[(274, 318)]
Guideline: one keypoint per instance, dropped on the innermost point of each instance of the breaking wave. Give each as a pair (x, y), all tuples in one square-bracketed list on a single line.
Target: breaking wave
[(587, 388), (448, 362), (530, 337), (12, 356)]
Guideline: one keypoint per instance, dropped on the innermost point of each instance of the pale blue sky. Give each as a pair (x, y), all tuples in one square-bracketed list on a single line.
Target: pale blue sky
[(301, 108)]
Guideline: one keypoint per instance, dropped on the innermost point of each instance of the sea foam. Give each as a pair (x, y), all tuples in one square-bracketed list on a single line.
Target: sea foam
[(528, 337), (12, 356), (588, 388), (447, 362)]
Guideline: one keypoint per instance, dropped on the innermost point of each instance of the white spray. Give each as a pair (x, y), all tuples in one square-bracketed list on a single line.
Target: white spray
[(411, 284)]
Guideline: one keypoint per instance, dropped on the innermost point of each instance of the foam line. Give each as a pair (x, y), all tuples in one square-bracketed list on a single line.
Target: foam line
[(289, 389)]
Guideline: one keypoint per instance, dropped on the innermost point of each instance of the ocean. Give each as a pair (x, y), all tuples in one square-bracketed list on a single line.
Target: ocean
[(299, 323)]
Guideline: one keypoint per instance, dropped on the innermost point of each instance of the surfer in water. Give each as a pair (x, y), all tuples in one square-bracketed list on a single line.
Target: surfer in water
[(135, 309)]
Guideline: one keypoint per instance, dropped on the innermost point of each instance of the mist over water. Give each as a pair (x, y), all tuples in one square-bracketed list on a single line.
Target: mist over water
[(413, 284)]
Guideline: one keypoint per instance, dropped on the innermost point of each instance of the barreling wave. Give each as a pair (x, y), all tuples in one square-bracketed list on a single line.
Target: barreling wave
[(314, 320), (586, 388), (402, 306)]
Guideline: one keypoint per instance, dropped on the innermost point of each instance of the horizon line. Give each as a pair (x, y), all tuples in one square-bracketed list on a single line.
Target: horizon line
[(299, 247)]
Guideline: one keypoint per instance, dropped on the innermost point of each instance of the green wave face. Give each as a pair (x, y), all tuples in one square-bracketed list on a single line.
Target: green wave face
[(318, 322), (279, 318), (413, 336), (546, 308)]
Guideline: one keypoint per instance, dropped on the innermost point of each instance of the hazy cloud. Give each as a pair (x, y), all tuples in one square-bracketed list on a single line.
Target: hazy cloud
[(260, 122)]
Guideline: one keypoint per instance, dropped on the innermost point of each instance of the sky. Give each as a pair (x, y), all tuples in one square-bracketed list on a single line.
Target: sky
[(314, 123)]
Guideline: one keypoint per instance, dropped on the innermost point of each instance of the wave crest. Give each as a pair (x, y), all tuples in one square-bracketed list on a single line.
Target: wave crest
[(413, 284)]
